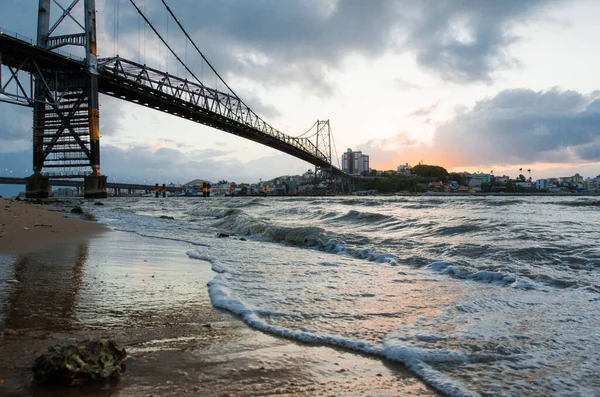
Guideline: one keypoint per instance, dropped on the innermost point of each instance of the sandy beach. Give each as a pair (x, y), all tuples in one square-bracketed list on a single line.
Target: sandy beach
[(65, 279)]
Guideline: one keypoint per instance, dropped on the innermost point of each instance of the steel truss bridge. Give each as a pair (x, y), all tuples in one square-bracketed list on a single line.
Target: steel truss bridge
[(63, 91)]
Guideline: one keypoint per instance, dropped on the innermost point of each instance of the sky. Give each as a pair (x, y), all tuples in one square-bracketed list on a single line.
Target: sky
[(470, 85)]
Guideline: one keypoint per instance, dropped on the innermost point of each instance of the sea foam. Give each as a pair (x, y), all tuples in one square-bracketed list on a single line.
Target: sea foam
[(417, 359)]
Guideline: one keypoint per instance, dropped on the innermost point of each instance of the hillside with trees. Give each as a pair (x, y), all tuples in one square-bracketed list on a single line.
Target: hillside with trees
[(390, 182)]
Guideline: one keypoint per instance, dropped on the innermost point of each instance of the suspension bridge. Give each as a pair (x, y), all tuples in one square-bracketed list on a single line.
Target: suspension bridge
[(63, 91)]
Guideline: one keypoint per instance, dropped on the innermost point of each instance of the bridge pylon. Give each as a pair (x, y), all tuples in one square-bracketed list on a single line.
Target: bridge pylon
[(323, 146), (66, 117)]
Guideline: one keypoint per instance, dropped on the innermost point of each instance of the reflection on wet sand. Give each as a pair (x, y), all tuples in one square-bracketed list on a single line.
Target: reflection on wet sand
[(44, 293)]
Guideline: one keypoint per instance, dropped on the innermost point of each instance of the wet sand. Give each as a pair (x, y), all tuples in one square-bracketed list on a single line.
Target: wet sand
[(149, 297), (26, 227)]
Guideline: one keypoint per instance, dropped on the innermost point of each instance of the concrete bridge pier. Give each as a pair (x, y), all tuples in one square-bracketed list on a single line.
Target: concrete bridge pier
[(38, 187), (95, 186)]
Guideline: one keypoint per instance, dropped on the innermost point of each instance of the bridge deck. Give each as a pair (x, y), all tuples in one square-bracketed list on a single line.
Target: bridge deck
[(152, 88)]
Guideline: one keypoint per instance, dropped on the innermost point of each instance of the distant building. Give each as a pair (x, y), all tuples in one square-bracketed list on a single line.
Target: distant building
[(571, 181), (64, 192), (593, 184), (355, 163), (478, 179), (441, 187), (308, 175), (542, 184), (524, 185), (501, 180), (404, 169)]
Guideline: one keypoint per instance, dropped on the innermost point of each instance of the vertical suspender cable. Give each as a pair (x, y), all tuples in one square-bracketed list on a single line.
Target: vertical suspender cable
[(145, 30), (117, 12), (139, 39), (200, 52), (164, 42), (167, 59), (114, 27)]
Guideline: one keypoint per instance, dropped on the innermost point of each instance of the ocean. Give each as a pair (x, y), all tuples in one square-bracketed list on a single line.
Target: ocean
[(476, 295)]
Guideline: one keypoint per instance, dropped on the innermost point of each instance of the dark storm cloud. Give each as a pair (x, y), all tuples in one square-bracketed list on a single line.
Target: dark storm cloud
[(465, 41), (260, 107), (524, 126), (278, 42), (16, 127), (17, 162)]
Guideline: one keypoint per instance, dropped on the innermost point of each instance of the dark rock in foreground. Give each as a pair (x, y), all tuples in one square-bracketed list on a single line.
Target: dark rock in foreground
[(80, 362)]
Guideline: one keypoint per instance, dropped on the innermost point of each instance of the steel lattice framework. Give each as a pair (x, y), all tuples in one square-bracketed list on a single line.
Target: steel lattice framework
[(155, 89), (323, 139), (66, 126)]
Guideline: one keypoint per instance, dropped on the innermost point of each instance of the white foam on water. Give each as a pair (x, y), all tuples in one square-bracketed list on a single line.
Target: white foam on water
[(419, 360), (484, 276), (223, 297), (216, 265)]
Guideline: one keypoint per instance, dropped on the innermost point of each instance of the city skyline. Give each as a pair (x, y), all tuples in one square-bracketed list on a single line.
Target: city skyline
[(469, 86)]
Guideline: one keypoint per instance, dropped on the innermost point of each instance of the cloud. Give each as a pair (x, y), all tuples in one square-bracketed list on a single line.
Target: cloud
[(518, 126), (112, 113), (522, 125), (405, 85), (426, 111), (261, 108), (19, 162), (467, 41), (172, 165), (303, 41), (16, 128)]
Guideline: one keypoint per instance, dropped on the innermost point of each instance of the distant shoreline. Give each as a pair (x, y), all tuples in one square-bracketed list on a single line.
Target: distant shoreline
[(513, 194)]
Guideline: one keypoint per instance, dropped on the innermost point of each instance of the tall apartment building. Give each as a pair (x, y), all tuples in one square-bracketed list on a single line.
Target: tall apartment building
[(355, 163)]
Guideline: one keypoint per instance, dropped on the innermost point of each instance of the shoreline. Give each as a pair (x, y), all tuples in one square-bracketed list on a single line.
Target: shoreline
[(28, 227), (81, 282)]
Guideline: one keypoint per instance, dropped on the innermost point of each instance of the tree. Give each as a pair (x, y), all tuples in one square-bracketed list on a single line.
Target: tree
[(430, 171), (455, 176), (486, 187)]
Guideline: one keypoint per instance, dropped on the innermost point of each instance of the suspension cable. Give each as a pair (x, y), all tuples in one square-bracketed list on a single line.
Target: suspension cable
[(307, 131), (164, 42), (200, 52), (335, 148)]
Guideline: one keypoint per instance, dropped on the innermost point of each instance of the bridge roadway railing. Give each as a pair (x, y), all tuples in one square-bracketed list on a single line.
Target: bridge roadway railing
[(31, 42)]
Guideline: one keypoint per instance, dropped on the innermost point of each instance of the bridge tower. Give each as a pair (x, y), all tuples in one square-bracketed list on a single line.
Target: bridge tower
[(323, 145), (66, 123)]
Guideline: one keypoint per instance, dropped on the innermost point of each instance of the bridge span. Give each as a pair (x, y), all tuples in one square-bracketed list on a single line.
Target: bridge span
[(110, 185), (63, 91)]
